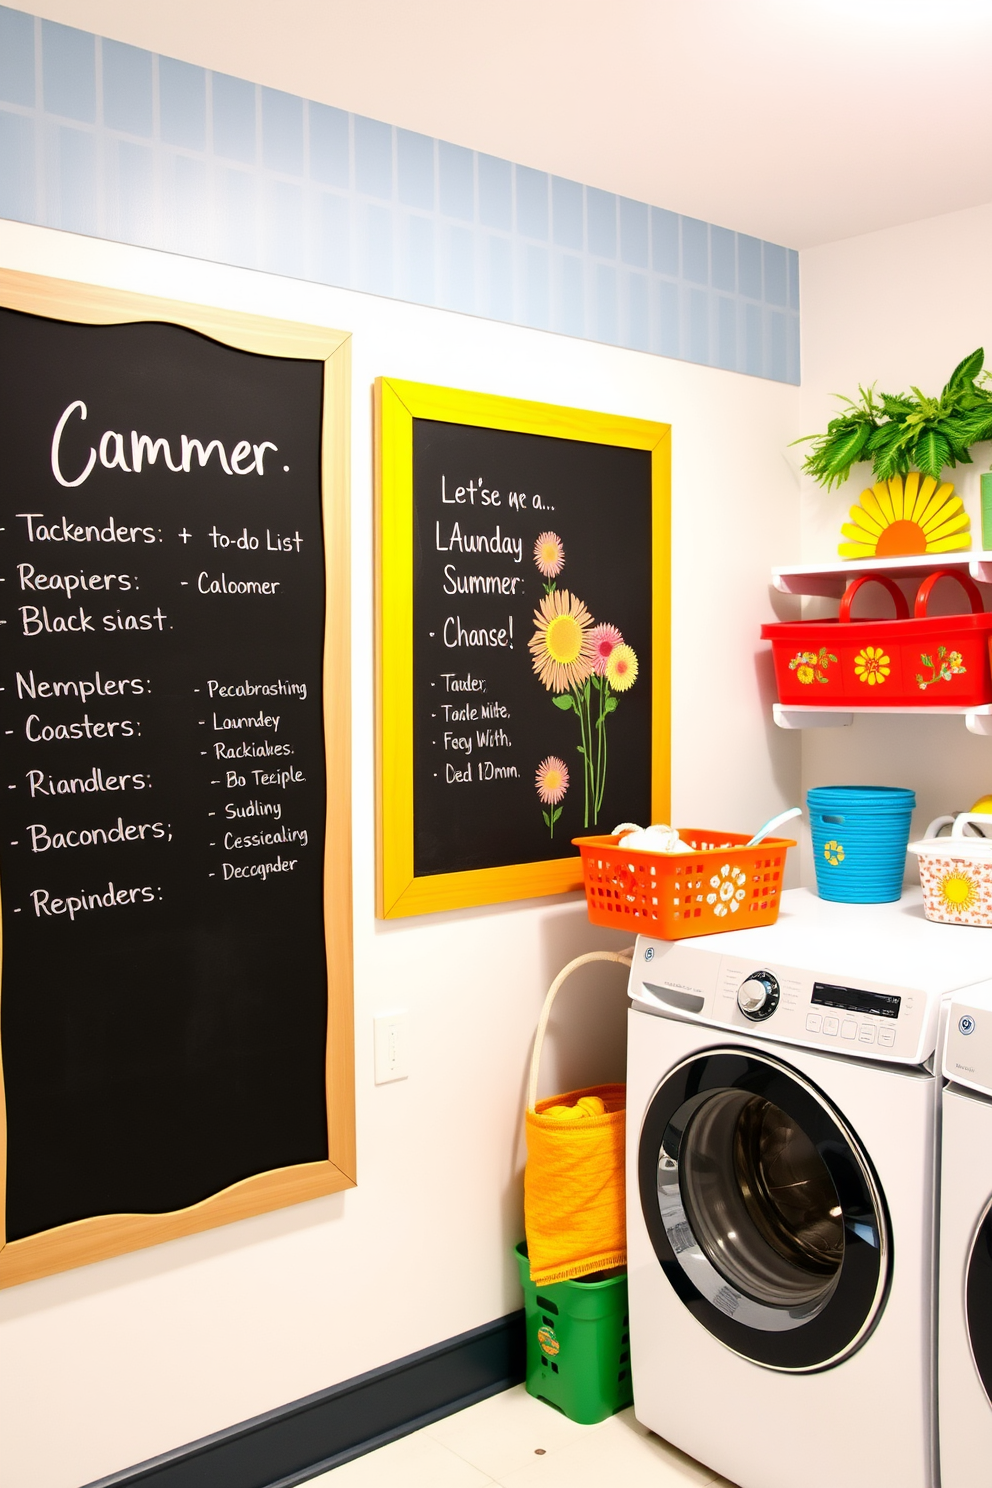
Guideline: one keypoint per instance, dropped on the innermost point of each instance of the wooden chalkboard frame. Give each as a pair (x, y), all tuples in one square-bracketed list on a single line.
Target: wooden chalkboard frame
[(102, 1236), (397, 403)]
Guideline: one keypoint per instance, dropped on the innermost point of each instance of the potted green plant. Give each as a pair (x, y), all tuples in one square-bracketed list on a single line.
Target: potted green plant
[(909, 439)]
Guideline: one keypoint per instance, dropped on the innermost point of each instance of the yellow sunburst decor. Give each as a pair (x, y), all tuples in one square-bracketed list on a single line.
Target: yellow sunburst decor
[(900, 519), (958, 890)]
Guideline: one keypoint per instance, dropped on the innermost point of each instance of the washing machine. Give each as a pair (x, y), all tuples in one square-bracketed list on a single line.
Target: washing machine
[(781, 1108), (964, 1320)]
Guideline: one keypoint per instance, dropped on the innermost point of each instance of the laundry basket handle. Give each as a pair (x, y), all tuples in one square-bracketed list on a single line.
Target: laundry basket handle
[(970, 818), (847, 599), (967, 584), (624, 958)]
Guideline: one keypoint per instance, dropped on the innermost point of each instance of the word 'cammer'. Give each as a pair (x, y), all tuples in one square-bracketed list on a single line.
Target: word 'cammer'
[(245, 458)]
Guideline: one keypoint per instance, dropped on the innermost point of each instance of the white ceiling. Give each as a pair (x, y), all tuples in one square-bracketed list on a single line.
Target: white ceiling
[(801, 121)]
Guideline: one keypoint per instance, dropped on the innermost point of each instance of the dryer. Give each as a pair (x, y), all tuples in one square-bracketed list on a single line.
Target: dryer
[(781, 1104), (964, 1324)]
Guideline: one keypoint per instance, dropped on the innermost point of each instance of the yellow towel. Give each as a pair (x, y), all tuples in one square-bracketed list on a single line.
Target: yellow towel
[(574, 1210)]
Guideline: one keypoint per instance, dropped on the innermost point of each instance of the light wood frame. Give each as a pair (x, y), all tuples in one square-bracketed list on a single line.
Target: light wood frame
[(397, 404), (106, 1235)]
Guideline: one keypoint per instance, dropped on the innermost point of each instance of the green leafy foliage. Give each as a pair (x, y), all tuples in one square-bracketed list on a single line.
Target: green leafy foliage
[(899, 432)]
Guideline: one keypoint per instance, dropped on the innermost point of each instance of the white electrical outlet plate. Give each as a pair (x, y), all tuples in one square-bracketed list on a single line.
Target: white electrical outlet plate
[(391, 1061)]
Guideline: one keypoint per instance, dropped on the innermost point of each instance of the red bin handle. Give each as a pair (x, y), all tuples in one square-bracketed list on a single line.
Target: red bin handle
[(902, 608), (967, 584)]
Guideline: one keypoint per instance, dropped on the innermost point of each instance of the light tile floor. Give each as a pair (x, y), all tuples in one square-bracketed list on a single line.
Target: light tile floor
[(514, 1441)]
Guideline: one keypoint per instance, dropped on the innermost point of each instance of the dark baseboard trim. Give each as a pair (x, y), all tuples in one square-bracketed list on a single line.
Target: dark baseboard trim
[(295, 1442)]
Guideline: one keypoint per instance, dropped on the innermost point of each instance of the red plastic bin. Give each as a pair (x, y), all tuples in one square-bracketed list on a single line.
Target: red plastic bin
[(920, 662), (721, 885)]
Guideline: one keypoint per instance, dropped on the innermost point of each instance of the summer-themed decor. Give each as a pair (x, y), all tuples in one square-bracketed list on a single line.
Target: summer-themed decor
[(903, 432), (585, 666), (958, 890), (811, 666), (956, 871), (727, 890), (859, 834), (916, 660), (499, 523), (693, 890), (872, 665), (947, 665), (909, 438), (552, 783), (897, 518), (549, 555)]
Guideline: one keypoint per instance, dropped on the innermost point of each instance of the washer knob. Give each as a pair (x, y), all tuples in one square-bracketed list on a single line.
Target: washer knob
[(757, 996)]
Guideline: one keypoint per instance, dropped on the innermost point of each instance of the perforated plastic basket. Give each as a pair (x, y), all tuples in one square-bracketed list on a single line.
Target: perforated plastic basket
[(578, 1343), (721, 885)]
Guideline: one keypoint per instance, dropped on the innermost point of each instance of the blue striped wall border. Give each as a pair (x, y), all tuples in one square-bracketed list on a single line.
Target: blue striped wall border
[(105, 139)]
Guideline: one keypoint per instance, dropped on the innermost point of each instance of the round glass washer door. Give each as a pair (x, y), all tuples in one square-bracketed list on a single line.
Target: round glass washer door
[(978, 1300), (764, 1210)]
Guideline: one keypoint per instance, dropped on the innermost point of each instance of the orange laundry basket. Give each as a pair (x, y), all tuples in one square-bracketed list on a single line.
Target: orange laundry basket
[(721, 885), (574, 1210)]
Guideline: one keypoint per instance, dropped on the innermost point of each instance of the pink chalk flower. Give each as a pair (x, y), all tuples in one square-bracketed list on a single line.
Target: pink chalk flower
[(603, 638), (552, 780), (549, 554)]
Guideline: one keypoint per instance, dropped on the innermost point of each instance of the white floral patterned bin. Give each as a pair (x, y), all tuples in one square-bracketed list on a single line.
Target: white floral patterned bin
[(956, 872)]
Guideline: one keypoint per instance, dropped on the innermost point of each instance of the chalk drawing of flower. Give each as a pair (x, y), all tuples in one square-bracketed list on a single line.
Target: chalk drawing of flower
[(621, 669), (604, 638), (552, 783), (549, 555), (560, 644)]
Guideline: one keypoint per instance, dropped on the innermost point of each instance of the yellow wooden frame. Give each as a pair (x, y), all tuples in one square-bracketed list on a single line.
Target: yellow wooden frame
[(106, 1235), (397, 404)]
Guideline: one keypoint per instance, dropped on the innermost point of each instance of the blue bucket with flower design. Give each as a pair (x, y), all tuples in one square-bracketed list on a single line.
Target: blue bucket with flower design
[(860, 836)]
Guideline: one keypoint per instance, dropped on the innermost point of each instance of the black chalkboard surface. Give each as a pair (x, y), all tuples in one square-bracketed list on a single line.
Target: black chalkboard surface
[(163, 1009), (483, 720), (523, 590)]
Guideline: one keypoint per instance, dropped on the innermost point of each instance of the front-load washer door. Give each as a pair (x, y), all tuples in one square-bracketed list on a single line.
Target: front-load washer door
[(763, 1210), (979, 1301)]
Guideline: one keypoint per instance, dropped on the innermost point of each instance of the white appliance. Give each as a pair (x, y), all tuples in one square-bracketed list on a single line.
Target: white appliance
[(781, 1109), (964, 1324)]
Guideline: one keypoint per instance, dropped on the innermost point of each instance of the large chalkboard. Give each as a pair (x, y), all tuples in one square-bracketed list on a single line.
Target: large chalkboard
[(164, 999), (538, 544)]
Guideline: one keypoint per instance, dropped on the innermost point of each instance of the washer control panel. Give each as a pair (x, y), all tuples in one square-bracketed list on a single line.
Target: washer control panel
[(758, 995), (793, 1004)]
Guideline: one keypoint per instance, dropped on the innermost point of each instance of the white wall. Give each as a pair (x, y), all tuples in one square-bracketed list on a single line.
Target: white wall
[(898, 307), (107, 1365)]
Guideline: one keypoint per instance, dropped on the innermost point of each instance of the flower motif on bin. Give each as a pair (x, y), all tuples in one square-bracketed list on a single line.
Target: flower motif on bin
[(834, 853), (727, 890), (872, 665), (947, 665), (810, 666), (956, 891)]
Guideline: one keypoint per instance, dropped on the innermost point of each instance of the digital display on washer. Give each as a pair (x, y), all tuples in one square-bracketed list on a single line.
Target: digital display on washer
[(882, 1004)]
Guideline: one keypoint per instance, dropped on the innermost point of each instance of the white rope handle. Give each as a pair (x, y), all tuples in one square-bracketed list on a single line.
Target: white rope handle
[(624, 959)]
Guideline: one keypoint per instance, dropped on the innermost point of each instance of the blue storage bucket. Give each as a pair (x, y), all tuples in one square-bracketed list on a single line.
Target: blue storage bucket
[(860, 835)]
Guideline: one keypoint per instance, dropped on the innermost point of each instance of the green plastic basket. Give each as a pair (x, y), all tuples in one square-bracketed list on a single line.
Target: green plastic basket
[(578, 1344)]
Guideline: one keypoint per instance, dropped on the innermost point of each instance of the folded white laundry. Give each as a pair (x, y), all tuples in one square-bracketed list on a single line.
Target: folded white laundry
[(659, 837)]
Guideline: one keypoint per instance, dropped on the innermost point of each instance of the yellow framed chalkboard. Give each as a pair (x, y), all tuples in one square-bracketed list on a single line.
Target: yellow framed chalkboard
[(523, 575), (175, 862)]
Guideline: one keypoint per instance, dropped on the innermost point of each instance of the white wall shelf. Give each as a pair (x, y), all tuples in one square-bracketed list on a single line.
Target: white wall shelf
[(803, 716), (831, 579)]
